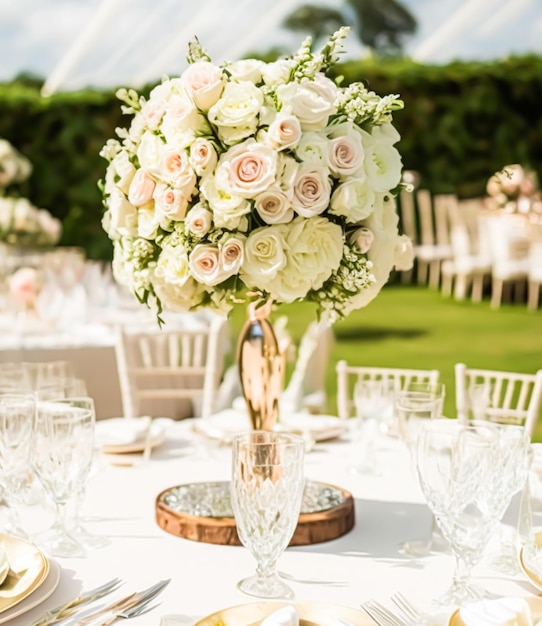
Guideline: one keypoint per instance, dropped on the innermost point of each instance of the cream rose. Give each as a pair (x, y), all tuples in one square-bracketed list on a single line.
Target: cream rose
[(203, 157), (204, 82), (120, 173), (147, 223), (284, 132), (122, 215), (170, 203), (354, 200), (182, 121), (246, 69), (205, 265), (236, 113), (198, 221), (362, 238), (315, 248), (149, 151), (312, 190), (231, 256), (346, 152), (273, 206), (277, 72), (141, 188), (172, 265), (228, 208), (311, 101), (264, 256), (247, 169)]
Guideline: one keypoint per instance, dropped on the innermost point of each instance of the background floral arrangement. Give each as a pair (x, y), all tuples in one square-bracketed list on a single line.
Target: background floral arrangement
[(256, 179), (24, 225), (21, 223), (514, 187)]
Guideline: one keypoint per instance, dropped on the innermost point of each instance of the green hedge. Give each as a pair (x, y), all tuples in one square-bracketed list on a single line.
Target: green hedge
[(461, 123)]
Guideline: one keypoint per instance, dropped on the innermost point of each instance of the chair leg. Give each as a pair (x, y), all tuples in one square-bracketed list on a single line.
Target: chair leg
[(496, 293), (422, 272), (477, 287), (534, 293), (447, 285), (434, 274), (461, 286), (519, 290)]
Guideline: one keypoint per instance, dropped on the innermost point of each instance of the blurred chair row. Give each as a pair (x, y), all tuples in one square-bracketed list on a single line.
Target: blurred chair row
[(462, 246), (505, 397)]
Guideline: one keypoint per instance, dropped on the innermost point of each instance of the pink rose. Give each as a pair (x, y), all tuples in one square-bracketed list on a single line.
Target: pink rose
[(175, 169), (204, 82), (362, 238), (231, 256), (171, 203), (141, 188), (203, 157), (24, 286), (250, 166), (198, 221), (345, 156), (274, 207), (205, 264), (284, 132)]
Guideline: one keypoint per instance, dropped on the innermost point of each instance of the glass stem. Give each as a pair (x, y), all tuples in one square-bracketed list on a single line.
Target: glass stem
[(61, 516), (461, 575), (266, 570)]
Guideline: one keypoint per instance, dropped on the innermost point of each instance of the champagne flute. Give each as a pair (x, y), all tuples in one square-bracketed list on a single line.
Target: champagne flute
[(266, 491), (62, 453)]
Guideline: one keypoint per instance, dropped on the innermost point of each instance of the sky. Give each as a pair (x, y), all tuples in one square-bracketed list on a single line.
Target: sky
[(106, 43)]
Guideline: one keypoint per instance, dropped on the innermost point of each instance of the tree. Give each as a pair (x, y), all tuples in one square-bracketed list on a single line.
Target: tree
[(379, 24)]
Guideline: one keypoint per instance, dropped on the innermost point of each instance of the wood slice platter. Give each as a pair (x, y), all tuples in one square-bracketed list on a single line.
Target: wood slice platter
[(313, 527)]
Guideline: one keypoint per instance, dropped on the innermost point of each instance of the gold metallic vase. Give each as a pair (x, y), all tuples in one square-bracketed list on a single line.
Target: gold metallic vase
[(261, 368)]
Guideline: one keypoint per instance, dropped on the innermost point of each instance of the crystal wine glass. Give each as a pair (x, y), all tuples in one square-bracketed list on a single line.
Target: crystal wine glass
[(62, 453), (266, 491), (457, 468)]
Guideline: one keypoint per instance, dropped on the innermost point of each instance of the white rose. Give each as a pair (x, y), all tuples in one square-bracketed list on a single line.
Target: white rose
[(382, 163), (287, 169), (353, 199), (403, 258), (204, 82), (312, 190), (311, 101), (175, 297), (152, 112), (277, 72), (170, 203), (147, 223), (284, 132), (149, 151), (228, 208), (205, 265), (273, 206), (313, 147), (236, 113), (172, 265), (246, 69), (346, 152), (264, 256), (120, 172), (315, 248), (247, 169), (203, 157), (198, 220), (362, 238), (123, 215)]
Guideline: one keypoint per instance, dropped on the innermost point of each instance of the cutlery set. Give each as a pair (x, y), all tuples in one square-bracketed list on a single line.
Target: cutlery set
[(404, 615), (129, 606)]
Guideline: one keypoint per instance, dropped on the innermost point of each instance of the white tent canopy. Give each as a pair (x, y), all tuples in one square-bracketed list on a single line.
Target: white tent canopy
[(101, 43)]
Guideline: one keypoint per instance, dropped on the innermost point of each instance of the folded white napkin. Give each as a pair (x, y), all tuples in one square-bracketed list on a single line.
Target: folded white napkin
[(287, 616), (497, 612)]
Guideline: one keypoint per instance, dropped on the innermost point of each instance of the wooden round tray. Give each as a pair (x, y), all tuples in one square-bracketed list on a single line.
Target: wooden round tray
[(311, 528)]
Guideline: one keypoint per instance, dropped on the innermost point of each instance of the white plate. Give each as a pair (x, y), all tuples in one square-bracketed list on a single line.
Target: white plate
[(124, 434), (223, 425), (36, 597), (535, 604)]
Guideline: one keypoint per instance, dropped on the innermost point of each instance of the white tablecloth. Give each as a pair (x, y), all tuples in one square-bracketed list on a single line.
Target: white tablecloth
[(362, 564)]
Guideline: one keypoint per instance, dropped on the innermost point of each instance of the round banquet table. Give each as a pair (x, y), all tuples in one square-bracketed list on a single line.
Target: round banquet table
[(362, 564)]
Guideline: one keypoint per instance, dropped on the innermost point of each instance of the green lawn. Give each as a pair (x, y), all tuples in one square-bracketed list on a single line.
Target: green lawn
[(413, 326)]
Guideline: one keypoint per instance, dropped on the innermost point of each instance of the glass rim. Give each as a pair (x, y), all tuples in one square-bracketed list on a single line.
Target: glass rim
[(269, 437)]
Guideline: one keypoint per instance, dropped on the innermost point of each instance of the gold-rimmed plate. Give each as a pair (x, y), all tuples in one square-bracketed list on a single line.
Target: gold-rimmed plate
[(310, 614), (533, 577), (535, 604), (29, 568)]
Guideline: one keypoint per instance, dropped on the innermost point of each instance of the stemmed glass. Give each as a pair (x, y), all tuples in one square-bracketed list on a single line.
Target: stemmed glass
[(16, 418), (266, 491), (413, 405), (62, 453), (458, 466)]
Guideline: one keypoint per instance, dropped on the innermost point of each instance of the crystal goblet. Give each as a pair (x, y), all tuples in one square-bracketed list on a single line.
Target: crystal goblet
[(266, 492)]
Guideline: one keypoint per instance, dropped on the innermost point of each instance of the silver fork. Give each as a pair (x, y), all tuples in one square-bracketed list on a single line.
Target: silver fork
[(134, 600), (138, 609), (382, 615), (407, 608)]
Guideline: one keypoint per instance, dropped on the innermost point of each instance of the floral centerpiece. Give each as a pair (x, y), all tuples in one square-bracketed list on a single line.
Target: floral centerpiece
[(26, 226), (256, 180), (514, 188)]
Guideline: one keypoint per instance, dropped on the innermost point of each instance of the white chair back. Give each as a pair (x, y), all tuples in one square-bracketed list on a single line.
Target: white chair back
[(516, 397), (349, 375), (171, 364)]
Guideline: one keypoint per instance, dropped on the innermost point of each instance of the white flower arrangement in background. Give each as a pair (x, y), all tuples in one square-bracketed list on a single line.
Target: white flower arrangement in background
[(256, 179), (513, 187), (14, 167), (24, 225)]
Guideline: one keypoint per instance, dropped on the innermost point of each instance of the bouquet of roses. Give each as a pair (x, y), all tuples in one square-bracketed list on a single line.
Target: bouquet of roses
[(256, 179)]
